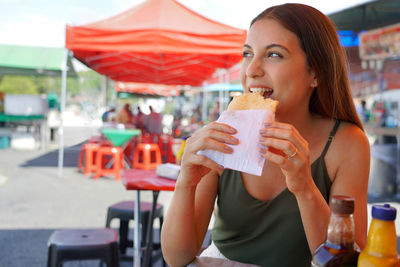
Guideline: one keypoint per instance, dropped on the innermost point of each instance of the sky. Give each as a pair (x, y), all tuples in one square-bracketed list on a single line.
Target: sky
[(42, 22)]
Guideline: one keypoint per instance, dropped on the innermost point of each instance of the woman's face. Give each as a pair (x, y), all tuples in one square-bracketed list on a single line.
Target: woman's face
[(274, 63)]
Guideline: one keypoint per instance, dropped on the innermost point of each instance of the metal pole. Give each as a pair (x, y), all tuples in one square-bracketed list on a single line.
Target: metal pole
[(227, 82), (64, 69), (204, 108), (136, 259), (221, 91)]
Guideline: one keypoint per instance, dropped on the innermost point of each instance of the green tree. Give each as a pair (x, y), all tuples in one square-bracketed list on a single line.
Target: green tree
[(18, 85), (90, 82), (51, 84)]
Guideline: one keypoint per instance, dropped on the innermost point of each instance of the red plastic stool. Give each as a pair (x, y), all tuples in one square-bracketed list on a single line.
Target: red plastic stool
[(146, 156), (165, 144), (87, 156), (117, 165), (147, 138)]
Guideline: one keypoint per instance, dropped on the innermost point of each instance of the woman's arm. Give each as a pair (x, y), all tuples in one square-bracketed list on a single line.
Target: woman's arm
[(187, 220), (192, 204), (347, 162), (351, 179)]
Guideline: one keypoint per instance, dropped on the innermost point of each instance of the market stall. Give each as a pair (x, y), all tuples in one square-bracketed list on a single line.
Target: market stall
[(29, 110)]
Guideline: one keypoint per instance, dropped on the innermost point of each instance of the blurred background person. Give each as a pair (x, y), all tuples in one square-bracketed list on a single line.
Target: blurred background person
[(108, 115), (125, 115), (138, 119), (153, 122), (214, 114)]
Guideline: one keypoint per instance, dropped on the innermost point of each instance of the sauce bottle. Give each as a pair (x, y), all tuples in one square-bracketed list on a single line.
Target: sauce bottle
[(381, 248), (338, 249)]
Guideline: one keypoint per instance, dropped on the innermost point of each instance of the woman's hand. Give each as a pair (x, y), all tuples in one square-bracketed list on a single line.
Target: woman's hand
[(289, 150), (214, 136)]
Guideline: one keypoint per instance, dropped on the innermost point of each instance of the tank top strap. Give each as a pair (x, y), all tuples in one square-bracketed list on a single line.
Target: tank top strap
[(330, 138)]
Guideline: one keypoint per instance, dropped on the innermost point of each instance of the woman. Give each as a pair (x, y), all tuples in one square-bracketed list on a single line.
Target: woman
[(292, 52)]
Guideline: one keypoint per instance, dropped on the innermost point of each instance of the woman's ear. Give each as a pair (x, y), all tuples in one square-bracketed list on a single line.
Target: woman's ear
[(314, 82)]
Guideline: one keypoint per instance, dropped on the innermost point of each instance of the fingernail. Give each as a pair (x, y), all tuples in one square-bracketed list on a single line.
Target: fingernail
[(263, 131), (220, 167), (232, 130), (234, 140), (228, 149), (267, 124), (262, 139)]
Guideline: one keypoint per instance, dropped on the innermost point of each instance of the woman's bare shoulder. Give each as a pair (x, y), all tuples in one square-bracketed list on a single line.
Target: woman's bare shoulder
[(349, 149), (351, 135)]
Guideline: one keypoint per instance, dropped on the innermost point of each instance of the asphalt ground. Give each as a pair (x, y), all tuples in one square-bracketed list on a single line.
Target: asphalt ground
[(35, 201)]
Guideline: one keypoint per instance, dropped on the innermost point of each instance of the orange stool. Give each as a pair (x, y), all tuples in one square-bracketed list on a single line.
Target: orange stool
[(117, 164), (146, 156), (87, 156)]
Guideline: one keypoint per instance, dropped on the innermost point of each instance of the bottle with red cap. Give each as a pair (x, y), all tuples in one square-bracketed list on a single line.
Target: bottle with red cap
[(338, 250), (381, 248)]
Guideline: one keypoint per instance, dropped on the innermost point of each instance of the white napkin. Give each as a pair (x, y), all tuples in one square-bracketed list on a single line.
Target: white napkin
[(168, 170), (246, 156)]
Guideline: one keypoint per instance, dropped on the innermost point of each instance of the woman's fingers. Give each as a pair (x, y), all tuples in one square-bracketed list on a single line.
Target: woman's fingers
[(280, 130), (282, 145), (215, 136), (206, 162), (220, 127), (209, 143), (284, 137)]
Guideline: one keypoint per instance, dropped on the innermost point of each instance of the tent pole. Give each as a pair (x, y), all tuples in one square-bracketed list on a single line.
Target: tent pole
[(104, 92), (204, 108), (221, 91), (62, 109), (227, 82)]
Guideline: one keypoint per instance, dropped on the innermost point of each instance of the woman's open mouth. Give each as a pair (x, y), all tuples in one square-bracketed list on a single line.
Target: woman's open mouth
[(265, 92)]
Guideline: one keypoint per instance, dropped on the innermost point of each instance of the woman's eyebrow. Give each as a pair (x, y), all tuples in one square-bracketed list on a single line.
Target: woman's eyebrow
[(268, 47), (276, 45)]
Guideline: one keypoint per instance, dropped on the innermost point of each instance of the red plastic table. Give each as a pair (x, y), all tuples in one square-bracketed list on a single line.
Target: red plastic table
[(135, 179)]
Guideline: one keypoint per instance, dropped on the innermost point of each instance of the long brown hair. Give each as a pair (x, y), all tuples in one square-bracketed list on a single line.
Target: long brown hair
[(318, 38)]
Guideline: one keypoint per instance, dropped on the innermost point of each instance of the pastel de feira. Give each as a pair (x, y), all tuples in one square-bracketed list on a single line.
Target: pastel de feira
[(247, 114)]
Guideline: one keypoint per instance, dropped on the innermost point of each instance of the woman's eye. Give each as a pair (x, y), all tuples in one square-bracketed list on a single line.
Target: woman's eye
[(274, 55), (246, 54)]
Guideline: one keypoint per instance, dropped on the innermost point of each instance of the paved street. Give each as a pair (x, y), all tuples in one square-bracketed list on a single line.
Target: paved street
[(34, 201)]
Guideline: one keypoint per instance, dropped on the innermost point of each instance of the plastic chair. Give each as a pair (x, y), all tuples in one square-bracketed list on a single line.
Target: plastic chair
[(146, 156), (116, 155), (124, 211), (83, 244), (148, 138), (130, 148), (87, 158), (165, 143)]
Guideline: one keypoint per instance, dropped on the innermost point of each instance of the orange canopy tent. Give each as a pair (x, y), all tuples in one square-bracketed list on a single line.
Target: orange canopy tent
[(157, 41)]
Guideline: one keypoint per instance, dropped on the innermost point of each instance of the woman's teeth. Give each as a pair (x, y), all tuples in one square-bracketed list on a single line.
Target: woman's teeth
[(266, 92)]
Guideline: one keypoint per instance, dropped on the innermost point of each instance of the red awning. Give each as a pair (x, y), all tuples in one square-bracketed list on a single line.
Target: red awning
[(158, 41), (147, 88)]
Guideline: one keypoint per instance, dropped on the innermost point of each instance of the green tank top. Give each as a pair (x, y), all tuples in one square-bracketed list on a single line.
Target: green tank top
[(266, 233)]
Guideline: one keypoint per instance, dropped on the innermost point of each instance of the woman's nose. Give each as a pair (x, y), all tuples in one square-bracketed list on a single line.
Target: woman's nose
[(254, 68)]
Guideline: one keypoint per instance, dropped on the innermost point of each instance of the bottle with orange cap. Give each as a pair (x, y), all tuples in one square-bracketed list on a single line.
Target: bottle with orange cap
[(381, 248)]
